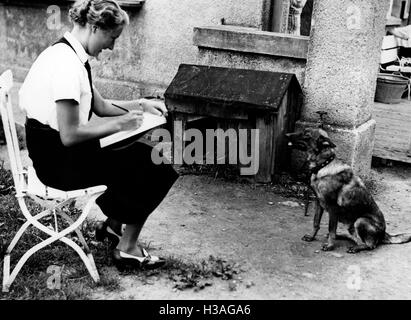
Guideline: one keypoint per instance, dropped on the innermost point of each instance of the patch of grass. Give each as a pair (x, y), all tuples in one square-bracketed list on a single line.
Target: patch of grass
[(6, 180)]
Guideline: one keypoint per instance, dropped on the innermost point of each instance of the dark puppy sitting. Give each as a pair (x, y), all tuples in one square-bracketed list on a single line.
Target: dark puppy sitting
[(342, 194)]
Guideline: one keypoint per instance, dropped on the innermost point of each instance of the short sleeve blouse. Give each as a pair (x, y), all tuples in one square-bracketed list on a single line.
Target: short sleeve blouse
[(58, 73)]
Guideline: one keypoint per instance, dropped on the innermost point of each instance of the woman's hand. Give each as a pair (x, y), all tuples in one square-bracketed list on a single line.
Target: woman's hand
[(154, 106), (131, 120)]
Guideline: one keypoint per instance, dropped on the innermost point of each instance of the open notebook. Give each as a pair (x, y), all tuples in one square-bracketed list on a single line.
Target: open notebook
[(150, 121)]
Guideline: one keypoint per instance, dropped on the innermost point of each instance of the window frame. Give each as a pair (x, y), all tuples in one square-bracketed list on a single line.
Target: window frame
[(267, 40)]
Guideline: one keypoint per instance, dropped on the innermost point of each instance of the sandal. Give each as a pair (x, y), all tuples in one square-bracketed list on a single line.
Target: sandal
[(104, 231), (123, 260)]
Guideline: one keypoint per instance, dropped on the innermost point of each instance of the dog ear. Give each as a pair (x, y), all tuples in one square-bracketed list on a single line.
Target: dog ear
[(325, 142)]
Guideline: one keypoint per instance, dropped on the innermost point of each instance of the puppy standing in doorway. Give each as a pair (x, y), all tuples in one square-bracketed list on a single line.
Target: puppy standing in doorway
[(342, 194)]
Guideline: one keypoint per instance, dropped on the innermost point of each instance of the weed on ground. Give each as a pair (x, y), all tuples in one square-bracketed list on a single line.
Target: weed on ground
[(192, 276)]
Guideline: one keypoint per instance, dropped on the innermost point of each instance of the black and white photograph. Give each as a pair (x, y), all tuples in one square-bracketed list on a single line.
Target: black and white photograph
[(205, 154)]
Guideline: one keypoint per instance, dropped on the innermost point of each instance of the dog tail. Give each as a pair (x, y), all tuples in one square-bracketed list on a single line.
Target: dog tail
[(396, 239)]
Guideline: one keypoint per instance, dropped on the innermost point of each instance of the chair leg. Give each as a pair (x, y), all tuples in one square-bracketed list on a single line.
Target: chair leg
[(6, 273), (9, 278), (23, 229), (54, 236), (16, 238), (78, 232), (92, 268)]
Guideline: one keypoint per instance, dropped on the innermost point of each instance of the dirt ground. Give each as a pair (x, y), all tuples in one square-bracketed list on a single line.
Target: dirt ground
[(260, 231)]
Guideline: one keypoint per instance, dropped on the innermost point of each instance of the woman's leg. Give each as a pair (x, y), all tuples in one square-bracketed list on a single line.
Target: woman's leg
[(135, 188), (114, 225), (129, 240)]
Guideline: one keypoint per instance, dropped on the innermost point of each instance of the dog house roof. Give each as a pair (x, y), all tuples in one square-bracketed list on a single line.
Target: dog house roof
[(227, 86)]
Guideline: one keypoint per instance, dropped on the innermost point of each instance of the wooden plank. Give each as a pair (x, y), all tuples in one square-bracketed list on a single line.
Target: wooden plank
[(388, 131), (395, 107), (385, 133), (280, 145), (404, 106), (265, 125), (251, 40), (393, 115), (391, 145), (392, 155), (202, 108), (393, 130), (387, 116)]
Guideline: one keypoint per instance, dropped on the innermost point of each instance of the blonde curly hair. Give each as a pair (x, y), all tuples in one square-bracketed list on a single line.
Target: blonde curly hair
[(105, 14)]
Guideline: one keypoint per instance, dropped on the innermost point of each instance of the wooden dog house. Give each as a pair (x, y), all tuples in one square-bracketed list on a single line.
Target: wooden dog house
[(268, 101)]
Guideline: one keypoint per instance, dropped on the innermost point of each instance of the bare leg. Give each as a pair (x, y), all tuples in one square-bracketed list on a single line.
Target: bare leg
[(316, 224), (114, 225), (129, 240)]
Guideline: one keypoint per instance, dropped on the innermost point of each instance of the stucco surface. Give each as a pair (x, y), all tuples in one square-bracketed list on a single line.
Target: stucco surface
[(252, 61), (149, 51), (343, 60)]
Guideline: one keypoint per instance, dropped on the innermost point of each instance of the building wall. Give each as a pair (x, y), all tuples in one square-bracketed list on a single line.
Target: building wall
[(148, 53)]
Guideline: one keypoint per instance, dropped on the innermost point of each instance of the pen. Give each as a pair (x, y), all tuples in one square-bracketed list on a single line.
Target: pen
[(124, 109)]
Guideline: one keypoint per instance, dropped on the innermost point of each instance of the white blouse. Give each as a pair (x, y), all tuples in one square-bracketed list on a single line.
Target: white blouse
[(58, 73)]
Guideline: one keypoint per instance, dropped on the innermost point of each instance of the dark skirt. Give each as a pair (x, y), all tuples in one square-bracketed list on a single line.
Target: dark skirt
[(135, 185)]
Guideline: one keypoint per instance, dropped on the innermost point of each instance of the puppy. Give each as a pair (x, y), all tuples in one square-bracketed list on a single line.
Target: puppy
[(342, 194)]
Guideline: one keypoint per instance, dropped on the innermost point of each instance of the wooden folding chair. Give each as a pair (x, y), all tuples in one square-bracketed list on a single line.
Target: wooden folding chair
[(27, 184)]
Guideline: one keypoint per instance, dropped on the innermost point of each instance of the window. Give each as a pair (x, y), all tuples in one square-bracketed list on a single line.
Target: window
[(272, 39), (399, 13), (288, 16)]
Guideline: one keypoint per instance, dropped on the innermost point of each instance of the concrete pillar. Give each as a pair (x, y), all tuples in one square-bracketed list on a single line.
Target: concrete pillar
[(342, 67)]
